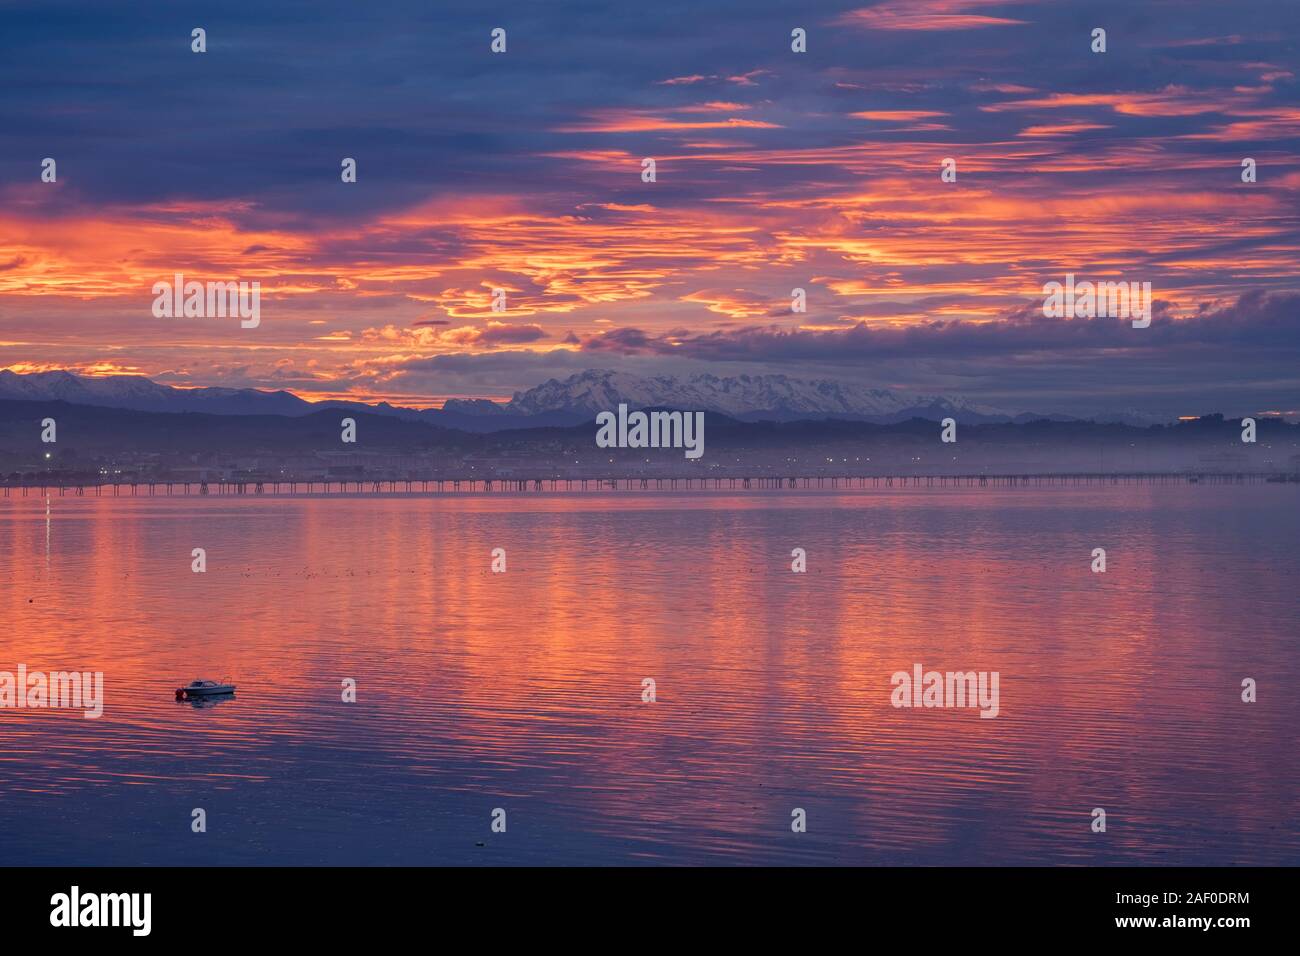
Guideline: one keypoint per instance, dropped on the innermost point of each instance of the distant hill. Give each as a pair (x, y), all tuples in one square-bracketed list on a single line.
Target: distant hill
[(159, 443)]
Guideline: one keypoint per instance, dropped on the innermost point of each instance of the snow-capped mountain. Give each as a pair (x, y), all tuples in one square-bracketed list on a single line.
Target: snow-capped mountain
[(553, 403), (140, 394), (741, 396)]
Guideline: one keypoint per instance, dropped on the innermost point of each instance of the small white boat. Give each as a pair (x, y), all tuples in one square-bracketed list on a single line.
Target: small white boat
[(203, 688)]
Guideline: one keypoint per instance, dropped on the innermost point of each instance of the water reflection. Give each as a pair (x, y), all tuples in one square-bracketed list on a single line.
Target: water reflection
[(476, 690), (204, 703)]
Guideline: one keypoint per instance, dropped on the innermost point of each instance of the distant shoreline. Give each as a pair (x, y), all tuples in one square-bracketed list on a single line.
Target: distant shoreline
[(662, 484)]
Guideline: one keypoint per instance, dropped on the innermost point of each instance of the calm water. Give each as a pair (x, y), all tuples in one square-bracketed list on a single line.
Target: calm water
[(523, 690)]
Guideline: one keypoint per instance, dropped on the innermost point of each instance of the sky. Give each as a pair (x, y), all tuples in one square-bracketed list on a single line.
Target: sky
[(774, 170)]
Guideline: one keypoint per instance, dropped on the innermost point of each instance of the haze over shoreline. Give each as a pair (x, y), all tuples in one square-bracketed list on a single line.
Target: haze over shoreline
[(104, 445)]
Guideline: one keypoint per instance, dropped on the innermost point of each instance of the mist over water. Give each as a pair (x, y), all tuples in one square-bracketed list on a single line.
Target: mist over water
[(523, 690)]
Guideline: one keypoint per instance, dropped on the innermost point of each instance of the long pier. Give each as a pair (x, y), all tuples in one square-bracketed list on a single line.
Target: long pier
[(455, 486)]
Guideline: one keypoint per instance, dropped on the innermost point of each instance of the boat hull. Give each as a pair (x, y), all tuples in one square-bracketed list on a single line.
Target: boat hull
[(184, 693)]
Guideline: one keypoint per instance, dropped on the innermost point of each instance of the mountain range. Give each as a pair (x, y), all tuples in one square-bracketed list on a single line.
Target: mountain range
[(555, 402), (745, 397)]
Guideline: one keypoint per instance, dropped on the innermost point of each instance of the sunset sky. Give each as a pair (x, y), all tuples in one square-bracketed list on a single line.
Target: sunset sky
[(775, 170)]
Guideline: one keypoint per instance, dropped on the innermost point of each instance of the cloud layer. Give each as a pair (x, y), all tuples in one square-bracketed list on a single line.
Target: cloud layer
[(522, 172)]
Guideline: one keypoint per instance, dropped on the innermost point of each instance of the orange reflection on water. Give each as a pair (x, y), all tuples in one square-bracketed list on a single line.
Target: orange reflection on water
[(523, 690)]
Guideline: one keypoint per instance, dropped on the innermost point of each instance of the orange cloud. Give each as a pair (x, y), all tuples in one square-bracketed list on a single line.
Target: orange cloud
[(896, 115), (1171, 101), (636, 121), (713, 106), (927, 15), (1061, 129)]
